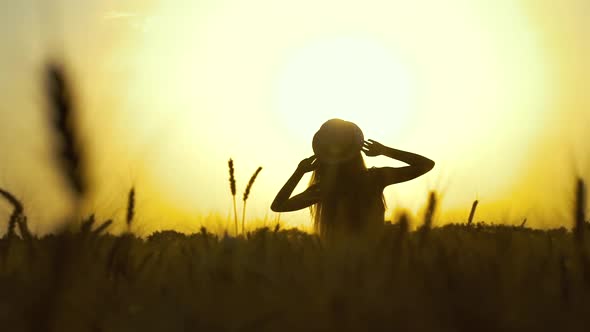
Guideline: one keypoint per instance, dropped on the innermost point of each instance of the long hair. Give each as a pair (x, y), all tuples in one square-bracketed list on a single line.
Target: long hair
[(347, 197)]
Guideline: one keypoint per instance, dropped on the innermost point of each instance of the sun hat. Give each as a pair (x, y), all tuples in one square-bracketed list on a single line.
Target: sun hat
[(337, 141)]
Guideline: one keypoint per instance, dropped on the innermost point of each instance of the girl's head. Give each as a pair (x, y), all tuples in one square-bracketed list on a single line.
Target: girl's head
[(337, 141), (340, 177)]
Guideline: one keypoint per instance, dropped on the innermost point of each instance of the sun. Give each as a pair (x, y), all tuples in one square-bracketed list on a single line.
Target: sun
[(355, 79)]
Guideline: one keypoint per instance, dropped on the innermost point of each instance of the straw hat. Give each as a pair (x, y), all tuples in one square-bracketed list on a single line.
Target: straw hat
[(337, 141)]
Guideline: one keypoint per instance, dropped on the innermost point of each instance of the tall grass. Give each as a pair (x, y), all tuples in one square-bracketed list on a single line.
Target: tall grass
[(246, 194), (17, 210), (69, 152), (580, 211), (472, 212), (70, 155), (232, 188), (103, 227), (130, 208), (579, 229), (429, 213), (483, 278)]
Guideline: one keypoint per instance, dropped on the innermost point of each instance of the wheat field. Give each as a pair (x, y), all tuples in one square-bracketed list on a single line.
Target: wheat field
[(457, 277)]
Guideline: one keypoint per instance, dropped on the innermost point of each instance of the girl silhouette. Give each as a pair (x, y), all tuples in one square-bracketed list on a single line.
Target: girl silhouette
[(344, 196)]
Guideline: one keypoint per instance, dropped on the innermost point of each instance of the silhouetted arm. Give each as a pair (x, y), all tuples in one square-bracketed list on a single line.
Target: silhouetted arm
[(418, 165), (283, 202)]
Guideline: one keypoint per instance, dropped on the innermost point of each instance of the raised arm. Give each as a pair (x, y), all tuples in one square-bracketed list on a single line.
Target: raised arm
[(283, 202), (418, 165)]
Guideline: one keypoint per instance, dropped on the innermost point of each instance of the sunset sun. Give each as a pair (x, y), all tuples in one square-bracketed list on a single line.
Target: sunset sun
[(350, 78)]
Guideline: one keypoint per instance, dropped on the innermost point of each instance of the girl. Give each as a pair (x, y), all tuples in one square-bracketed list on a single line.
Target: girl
[(344, 196)]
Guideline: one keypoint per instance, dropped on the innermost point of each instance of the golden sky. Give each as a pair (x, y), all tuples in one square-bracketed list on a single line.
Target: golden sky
[(494, 91)]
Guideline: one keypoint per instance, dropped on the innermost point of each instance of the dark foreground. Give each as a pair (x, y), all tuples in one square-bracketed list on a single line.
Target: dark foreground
[(454, 278)]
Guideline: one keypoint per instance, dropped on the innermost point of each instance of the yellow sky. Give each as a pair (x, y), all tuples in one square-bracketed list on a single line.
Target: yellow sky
[(493, 91)]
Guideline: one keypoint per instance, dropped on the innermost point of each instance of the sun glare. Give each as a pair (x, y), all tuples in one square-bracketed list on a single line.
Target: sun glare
[(350, 78)]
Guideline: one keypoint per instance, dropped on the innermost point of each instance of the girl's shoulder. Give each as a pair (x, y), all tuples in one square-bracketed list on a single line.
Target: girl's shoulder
[(373, 171), (374, 174)]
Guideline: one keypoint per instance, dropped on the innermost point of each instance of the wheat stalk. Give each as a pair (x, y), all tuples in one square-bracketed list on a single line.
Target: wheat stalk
[(472, 212), (16, 212), (130, 207), (102, 227), (579, 228), (429, 215), (404, 224), (247, 193), (23, 227), (61, 105), (232, 187), (86, 226), (580, 211), (70, 156)]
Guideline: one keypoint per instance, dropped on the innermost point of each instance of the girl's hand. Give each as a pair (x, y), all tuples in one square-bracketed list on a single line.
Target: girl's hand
[(308, 164), (373, 148)]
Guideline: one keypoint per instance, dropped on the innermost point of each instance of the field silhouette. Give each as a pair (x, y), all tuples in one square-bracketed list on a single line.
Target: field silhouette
[(452, 278), (469, 276)]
